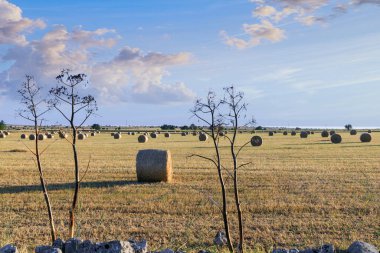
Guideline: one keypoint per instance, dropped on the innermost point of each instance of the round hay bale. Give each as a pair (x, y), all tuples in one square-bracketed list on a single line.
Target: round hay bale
[(369, 131), (303, 134), (183, 134), (133, 133), (81, 136), (203, 137), (365, 137), (93, 134), (153, 135), (325, 134), (293, 133), (312, 132), (221, 133), (167, 135), (32, 137), (153, 165), (50, 136), (117, 136), (23, 136), (41, 137), (2, 136), (6, 133), (353, 132), (256, 141), (336, 138), (62, 135), (332, 132), (194, 133), (285, 133), (112, 134), (270, 133), (308, 132), (142, 138)]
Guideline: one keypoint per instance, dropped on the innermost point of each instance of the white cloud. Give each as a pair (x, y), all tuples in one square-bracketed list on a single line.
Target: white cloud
[(131, 75), (13, 25)]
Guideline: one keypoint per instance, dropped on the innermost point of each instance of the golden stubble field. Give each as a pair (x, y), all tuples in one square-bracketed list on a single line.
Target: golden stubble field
[(298, 192)]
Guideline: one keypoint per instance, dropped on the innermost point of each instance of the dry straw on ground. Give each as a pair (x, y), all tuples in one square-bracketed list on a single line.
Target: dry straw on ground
[(153, 165)]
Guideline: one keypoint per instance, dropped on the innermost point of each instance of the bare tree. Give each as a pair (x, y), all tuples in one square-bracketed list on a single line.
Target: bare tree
[(34, 109), (208, 113), (236, 110), (76, 109)]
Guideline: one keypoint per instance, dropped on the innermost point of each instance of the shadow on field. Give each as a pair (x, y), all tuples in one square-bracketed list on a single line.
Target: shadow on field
[(65, 186)]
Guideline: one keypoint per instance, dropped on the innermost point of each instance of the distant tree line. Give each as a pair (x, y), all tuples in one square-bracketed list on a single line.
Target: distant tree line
[(2, 125), (173, 127)]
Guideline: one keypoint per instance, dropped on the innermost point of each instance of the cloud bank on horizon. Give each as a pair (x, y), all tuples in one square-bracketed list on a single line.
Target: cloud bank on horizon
[(273, 15), (129, 76)]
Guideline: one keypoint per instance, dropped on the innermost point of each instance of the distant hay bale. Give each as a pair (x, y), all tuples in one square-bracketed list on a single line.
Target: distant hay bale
[(133, 133), (303, 134), (312, 132), (270, 133), (2, 136), (142, 138), (293, 133), (112, 134), (203, 137), (117, 136), (167, 135), (50, 136), (285, 133), (221, 133), (62, 135), (332, 132), (256, 141), (23, 136), (336, 138), (365, 137), (93, 134), (6, 133), (81, 136), (353, 132), (369, 131), (183, 134), (325, 134), (41, 137), (32, 137), (194, 133), (153, 135), (253, 132), (153, 165), (308, 132)]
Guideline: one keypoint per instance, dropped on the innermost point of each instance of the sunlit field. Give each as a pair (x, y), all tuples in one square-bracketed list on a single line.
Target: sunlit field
[(297, 192)]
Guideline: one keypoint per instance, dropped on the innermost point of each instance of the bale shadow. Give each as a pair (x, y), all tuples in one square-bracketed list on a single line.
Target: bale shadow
[(65, 186)]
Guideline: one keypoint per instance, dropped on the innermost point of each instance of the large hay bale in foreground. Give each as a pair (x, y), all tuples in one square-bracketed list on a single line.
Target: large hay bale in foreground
[(365, 137), (304, 134), (41, 137), (336, 138), (353, 132), (142, 138), (167, 135), (117, 136), (153, 165), (23, 136), (32, 137), (324, 134), (256, 141), (203, 137)]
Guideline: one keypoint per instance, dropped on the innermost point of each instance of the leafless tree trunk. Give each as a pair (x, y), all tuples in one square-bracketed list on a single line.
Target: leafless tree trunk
[(30, 93), (201, 111), (67, 95)]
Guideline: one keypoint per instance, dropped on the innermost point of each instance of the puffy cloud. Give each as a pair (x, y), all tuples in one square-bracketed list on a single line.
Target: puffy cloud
[(13, 25), (269, 12)]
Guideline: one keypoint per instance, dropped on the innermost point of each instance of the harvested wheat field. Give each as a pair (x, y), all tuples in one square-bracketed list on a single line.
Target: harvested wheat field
[(297, 192)]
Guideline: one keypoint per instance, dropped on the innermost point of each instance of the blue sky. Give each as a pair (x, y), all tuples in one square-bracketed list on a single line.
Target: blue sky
[(299, 63)]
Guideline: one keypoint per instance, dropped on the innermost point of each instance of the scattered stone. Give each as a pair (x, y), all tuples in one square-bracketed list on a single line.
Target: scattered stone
[(220, 239), (9, 248), (204, 251), (72, 245), (59, 244), (139, 247), (359, 247), (308, 250), (280, 251), (167, 251), (42, 249), (327, 248), (294, 250)]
